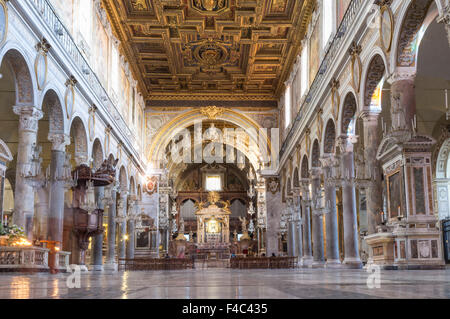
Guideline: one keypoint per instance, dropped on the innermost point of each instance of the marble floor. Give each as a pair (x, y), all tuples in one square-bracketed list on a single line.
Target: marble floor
[(230, 284)]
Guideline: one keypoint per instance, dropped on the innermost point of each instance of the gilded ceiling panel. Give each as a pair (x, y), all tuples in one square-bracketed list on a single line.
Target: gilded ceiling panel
[(210, 49)]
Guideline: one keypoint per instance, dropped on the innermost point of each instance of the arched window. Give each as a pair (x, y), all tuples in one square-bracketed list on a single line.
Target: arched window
[(114, 70), (304, 70), (85, 25), (288, 106), (327, 21)]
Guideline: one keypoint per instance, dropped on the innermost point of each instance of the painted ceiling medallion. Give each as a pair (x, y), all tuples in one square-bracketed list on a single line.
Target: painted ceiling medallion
[(210, 6), (210, 54)]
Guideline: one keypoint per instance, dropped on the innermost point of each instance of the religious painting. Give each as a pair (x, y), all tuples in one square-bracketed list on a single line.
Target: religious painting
[(394, 194), (314, 57), (386, 28), (142, 239), (234, 184), (3, 21), (414, 252), (102, 54)]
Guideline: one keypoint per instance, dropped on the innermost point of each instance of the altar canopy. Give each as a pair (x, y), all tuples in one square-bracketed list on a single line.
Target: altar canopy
[(213, 222)]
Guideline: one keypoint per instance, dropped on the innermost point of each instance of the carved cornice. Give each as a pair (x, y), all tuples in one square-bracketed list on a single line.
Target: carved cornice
[(402, 74)]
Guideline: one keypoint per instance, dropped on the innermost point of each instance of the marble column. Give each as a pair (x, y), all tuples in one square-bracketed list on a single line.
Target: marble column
[(122, 220), (351, 237), (110, 263), (317, 221), (24, 193), (306, 218), (292, 245), (297, 221), (331, 213), (131, 228), (56, 189), (97, 250), (374, 190)]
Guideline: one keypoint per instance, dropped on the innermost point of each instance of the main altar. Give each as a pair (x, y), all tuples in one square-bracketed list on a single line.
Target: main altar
[(213, 227)]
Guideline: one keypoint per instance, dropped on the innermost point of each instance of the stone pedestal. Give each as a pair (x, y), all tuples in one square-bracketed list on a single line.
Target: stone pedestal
[(381, 249)]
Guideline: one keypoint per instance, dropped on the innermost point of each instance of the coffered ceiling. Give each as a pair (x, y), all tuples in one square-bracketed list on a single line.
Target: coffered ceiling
[(218, 50)]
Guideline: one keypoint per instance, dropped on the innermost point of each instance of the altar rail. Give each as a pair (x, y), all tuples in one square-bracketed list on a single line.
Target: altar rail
[(263, 262), (30, 259), (155, 264)]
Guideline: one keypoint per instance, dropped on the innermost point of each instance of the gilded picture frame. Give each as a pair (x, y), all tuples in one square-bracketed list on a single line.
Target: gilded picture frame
[(41, 58), (386, 10), (394, 183), (356, 62), (4, 10), (335, 102), (69, 100)]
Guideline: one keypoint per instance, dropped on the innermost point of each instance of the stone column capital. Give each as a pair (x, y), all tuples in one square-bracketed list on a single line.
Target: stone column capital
[(315, 172), (28, 117), (346, 143), (328, 161), (370, 116), (402, 74), (59, 141)]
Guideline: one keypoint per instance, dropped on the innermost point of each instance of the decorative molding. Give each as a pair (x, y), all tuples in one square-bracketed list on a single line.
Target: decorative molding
[(69, 98), (4, 9), (355, 51), (41, 63), (212, 112)]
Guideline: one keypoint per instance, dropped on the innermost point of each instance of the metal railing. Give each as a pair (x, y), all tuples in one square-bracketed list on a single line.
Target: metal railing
[(49, 16), (333, 49)]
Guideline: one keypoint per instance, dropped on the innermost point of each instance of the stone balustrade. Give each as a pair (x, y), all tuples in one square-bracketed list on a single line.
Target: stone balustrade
[(33, 259)]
